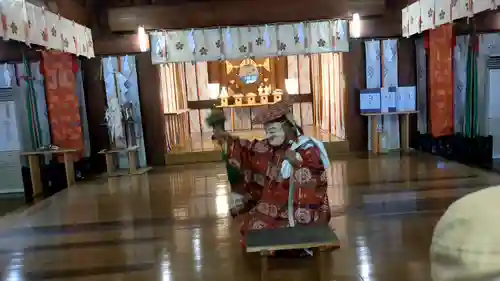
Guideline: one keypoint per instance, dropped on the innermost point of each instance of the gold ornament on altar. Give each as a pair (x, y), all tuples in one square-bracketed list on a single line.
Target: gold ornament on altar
[(248, 73), (263, 94), (251, 98), (238, 99), (277, 95), (224, 97)]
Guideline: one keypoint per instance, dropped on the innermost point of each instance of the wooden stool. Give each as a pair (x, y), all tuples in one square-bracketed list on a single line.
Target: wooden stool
[(34, 165), (317, 237), (132, 161)]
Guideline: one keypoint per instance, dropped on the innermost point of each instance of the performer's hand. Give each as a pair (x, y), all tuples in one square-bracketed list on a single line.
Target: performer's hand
[(293, 157), (220, 135)]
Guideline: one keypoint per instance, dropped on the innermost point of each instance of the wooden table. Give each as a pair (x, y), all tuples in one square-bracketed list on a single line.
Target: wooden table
[(404, 128), (316, 237), (132, 161), (34, 165)]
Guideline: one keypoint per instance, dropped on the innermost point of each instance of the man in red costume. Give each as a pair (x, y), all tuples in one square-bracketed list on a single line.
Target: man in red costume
[(284, 176)]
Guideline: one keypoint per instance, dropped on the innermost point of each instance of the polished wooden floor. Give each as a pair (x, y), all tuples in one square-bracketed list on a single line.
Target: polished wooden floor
[(173, 224)]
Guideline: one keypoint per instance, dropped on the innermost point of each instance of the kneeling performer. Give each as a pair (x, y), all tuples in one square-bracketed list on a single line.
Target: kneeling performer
[(281, 181)]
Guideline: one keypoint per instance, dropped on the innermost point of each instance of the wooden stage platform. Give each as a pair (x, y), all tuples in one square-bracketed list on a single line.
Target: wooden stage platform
[(199, 148)]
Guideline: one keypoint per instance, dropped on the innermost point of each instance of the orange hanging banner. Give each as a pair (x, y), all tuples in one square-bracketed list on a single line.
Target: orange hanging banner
[(441, 80), (62, 101)]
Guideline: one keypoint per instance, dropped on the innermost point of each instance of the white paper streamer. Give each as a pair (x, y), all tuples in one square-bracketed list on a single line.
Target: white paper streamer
[(266, 37), (191, 41), (126, 67), (229, 41), (301, 33)]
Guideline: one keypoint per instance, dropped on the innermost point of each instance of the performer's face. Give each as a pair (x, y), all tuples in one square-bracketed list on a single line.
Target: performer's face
[(275, 133)]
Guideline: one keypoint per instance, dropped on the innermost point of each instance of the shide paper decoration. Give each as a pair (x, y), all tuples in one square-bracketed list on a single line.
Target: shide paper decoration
[(427, 14), (214, 44), (31, 24)]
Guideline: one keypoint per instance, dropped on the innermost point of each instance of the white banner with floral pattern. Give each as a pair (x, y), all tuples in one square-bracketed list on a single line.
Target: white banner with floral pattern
[(320, 37), (427, 14), (264, 42), (90, 43), (482, 5), (252, 41), (208, 44), (26, 22), (68, 35), (180, 45), (443, 13), (460, 9), (405, 22), (53, 27), (158, 47), (236, 43), (292, 38), (414, 14), (340, 35), (14, 20), (36, 25)]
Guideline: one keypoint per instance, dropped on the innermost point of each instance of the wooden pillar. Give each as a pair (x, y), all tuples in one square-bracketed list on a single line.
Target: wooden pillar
[(153, 120), (407, 76), (354, 71), (95, 101)]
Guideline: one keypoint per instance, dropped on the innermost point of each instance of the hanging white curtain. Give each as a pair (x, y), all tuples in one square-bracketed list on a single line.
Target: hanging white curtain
[(460, 55), (326, 81), (169, 87), (390, 79), (316, 88), (372, 51), (330, 88), (421, 85)]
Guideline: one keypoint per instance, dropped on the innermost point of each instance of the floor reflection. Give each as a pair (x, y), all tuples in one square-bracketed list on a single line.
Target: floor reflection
[(173, 225)]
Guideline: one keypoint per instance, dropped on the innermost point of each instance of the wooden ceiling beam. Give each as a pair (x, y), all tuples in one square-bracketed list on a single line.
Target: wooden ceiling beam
[(70, 9), (223, 13)]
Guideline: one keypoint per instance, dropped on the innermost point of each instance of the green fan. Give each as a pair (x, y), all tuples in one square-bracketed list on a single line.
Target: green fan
[(216, 120)]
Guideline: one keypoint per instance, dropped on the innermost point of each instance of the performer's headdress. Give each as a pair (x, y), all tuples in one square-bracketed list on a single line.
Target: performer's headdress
[(276, 111)]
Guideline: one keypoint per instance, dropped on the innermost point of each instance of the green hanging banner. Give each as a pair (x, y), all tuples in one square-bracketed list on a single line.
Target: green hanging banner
[(31, 105), (475, 101)]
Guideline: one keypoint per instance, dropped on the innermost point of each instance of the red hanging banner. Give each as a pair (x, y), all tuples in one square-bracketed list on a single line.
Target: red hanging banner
[(441, 80), (62, 101)]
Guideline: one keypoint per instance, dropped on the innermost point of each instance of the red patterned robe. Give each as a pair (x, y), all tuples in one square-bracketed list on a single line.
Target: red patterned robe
[(260, 164)]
